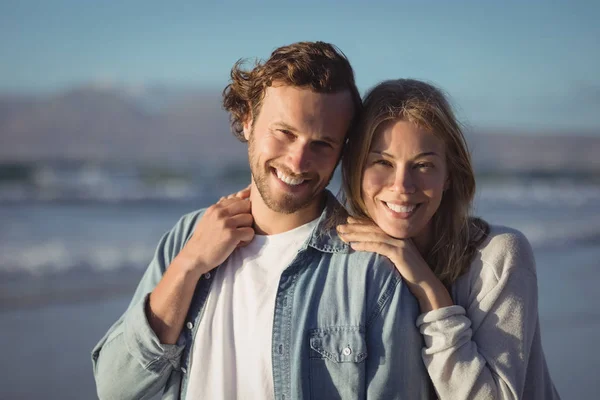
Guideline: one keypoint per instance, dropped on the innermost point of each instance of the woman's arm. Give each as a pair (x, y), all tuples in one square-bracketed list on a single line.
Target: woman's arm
[(419, 278), (482, 352)]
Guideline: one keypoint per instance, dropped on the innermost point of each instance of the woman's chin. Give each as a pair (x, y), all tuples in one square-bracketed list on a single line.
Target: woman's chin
[(395, 231)]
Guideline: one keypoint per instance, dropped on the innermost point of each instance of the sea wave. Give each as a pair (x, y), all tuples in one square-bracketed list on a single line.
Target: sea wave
[(522, 194), (556, 235), (101, 234), (106, 183), (57, 256)]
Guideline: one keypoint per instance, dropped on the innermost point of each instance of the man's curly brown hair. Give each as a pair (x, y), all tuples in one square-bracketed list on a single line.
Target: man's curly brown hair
[(319, 66)]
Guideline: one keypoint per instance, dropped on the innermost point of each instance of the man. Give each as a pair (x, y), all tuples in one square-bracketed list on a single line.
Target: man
[(258, 298)]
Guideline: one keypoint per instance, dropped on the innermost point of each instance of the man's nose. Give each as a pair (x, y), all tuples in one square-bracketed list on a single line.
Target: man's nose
[(299, 157)]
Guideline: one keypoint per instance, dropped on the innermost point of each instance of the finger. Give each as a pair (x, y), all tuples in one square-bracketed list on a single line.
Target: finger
[(244, 193), (353, 237), (241, 220), (376, 247), (226, 200), (235, 206), (358, 227), (244, 234), (362, 221), (244, 243)]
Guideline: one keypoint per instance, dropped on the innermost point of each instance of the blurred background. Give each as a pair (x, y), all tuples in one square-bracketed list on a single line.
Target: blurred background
[(111, 128)]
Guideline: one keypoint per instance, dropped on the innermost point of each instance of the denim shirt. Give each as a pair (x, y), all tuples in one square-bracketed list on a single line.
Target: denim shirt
[(343, 327)]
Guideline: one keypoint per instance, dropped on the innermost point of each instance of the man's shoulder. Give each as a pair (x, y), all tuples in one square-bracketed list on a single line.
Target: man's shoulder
[(377, 270), (188, 221), (183, 229)]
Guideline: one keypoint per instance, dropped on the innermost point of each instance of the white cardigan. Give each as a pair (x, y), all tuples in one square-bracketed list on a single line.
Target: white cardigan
[(488, 345)]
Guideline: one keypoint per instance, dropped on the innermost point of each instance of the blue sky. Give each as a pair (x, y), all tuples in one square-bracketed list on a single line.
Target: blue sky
[(527, 65)]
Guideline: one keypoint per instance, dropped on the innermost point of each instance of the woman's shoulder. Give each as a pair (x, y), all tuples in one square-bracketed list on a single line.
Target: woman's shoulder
[(505, 250)]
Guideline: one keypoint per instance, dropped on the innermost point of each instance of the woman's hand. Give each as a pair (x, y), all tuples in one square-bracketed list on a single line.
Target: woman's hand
[(422, 282)]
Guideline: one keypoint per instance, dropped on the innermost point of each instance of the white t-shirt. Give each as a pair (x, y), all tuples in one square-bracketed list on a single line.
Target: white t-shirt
[(232, 348)]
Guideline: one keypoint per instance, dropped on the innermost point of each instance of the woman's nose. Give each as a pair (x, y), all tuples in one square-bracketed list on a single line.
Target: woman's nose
[(404, 181)]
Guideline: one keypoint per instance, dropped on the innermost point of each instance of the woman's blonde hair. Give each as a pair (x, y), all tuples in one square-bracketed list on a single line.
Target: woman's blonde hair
[(456, 235)]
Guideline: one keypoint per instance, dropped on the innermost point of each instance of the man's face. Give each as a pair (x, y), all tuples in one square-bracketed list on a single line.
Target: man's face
[(295, 144)]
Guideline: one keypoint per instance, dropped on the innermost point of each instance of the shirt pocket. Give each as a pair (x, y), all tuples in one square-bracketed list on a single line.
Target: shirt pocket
[(337, 367)]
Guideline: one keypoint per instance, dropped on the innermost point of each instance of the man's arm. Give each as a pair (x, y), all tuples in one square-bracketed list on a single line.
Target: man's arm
[(222, 228), (137, 355), (395, 369), (130, 361)]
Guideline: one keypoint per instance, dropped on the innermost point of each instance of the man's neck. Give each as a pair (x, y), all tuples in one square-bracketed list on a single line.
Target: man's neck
[(269, 222)]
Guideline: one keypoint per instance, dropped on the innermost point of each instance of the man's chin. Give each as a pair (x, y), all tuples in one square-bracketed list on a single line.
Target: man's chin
[(287, 204), (286, 207)]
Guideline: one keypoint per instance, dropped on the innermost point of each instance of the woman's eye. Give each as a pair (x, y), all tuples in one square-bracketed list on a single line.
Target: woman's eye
[(322, 145), (382, 162)]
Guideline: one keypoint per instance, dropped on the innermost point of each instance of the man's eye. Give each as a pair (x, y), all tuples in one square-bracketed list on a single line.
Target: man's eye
[(424, 165)]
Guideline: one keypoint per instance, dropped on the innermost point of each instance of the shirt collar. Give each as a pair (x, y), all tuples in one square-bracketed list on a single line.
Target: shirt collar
[(325, 237)]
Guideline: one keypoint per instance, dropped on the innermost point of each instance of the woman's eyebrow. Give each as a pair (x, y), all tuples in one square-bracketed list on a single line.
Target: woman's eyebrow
[(424, 154)]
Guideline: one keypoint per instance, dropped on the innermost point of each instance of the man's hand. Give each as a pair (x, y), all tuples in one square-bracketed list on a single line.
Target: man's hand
[(242, 194), (223, 227)]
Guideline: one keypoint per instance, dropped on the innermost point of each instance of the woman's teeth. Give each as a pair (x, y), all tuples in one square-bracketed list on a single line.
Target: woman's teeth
[(401, 209), (288, 179)]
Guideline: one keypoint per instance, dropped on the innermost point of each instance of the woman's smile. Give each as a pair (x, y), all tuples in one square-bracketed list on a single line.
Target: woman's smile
[(404, 179)]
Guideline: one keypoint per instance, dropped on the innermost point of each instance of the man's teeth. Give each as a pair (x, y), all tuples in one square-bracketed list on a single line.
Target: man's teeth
[(288, 179), (401, 209)]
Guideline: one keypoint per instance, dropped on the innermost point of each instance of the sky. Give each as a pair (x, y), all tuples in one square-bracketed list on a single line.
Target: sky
[(527, 65)]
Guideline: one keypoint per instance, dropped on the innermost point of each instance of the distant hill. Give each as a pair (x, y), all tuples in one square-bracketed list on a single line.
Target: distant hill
[(569, 151), (110, 124), (189, 127)]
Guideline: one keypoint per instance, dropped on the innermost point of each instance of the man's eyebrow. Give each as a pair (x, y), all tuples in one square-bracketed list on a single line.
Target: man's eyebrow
[(285, 126), (288, 127)]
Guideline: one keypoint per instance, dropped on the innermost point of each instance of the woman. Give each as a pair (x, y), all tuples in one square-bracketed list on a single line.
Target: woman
[(409, 185)]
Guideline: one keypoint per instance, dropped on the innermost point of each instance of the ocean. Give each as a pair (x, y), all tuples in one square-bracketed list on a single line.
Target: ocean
[(75, 239)]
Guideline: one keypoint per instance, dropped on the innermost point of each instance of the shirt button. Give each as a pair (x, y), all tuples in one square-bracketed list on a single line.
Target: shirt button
[(207, 275), (189, 325), (184, 370), (347, 351)]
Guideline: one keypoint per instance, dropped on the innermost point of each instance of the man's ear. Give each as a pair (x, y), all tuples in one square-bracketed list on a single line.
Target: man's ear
[(247, 128)]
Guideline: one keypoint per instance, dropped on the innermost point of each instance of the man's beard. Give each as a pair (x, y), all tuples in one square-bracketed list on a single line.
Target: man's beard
[(286, 203)]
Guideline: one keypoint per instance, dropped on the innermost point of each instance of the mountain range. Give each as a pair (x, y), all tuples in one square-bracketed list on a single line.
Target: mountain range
[(188, 126)]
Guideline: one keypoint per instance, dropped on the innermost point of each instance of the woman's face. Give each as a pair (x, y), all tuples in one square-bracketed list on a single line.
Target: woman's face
[(404, 179)]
